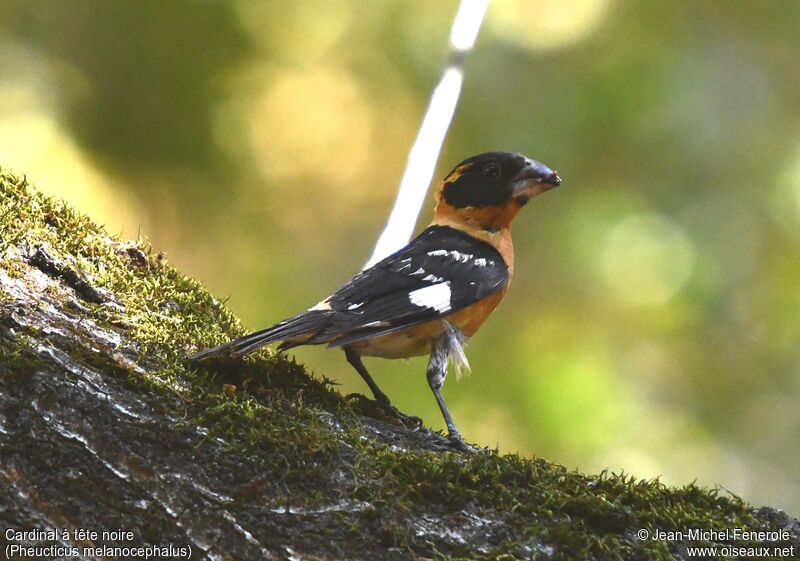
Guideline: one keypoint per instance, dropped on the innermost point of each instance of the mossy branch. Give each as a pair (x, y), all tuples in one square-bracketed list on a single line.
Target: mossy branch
[(104, 425)]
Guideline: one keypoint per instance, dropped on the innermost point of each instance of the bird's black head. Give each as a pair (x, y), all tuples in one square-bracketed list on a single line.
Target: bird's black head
[(495, 179)]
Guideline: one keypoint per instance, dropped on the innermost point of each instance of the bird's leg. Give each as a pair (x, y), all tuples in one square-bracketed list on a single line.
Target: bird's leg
[(380, 397), (437, 371)]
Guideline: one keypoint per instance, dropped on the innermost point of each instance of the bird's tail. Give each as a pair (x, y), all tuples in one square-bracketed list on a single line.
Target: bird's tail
[(293, 331)]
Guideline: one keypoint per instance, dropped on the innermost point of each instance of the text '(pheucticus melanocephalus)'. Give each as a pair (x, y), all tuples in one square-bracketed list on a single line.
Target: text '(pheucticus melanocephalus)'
[(432, 295)]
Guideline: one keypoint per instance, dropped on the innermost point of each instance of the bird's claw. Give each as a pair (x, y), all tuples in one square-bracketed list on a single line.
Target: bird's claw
[(457, 441), (409, 421)]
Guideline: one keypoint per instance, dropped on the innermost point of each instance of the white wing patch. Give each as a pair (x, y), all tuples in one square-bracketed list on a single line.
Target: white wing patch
[(455, 256), (462, 257), (435, 296)]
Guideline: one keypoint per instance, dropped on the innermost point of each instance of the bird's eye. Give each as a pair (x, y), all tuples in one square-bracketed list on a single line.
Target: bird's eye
[(491, 170)]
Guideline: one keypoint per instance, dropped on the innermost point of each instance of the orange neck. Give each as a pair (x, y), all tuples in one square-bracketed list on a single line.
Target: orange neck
[(479, 218), (489, 224)]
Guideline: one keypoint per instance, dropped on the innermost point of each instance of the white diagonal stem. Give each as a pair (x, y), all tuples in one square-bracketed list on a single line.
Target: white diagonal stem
[(428, 144)]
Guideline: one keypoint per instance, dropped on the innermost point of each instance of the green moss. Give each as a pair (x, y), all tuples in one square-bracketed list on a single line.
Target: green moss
[(301, 431)]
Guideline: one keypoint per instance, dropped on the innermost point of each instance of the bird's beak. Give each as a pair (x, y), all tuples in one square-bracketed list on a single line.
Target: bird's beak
[(533, 179)]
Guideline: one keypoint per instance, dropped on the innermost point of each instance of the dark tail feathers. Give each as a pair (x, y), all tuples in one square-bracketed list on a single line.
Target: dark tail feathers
[(307, 323)]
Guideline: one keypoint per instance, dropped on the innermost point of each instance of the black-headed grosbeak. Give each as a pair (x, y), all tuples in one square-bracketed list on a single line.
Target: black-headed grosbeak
[(433, 294)]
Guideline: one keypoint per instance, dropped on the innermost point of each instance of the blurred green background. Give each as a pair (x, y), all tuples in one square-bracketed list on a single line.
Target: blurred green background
[(654, 321)]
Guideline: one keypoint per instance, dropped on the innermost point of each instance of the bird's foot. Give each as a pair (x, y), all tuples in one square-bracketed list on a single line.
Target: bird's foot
[(371, 408), (457, 441), (409, 421)]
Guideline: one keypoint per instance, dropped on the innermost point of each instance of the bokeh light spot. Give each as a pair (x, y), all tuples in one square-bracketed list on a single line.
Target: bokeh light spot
[(785, 203), (313, 123), (646, 259), (296, 32), (546, 24), (32, 144)]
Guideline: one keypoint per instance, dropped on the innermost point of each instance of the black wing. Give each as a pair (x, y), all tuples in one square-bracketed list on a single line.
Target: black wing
[(441, 271)]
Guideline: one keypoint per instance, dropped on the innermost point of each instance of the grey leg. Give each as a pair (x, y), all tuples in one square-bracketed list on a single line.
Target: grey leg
[(437, 371), (380, 397)]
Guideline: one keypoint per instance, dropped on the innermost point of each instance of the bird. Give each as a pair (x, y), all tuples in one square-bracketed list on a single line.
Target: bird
[(431, 296)]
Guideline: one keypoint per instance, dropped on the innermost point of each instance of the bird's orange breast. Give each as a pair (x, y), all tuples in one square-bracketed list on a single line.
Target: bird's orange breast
[(472, 317), (419, 339)]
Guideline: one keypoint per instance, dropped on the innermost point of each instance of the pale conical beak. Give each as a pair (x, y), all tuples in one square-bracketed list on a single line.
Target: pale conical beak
[(533, 179)]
